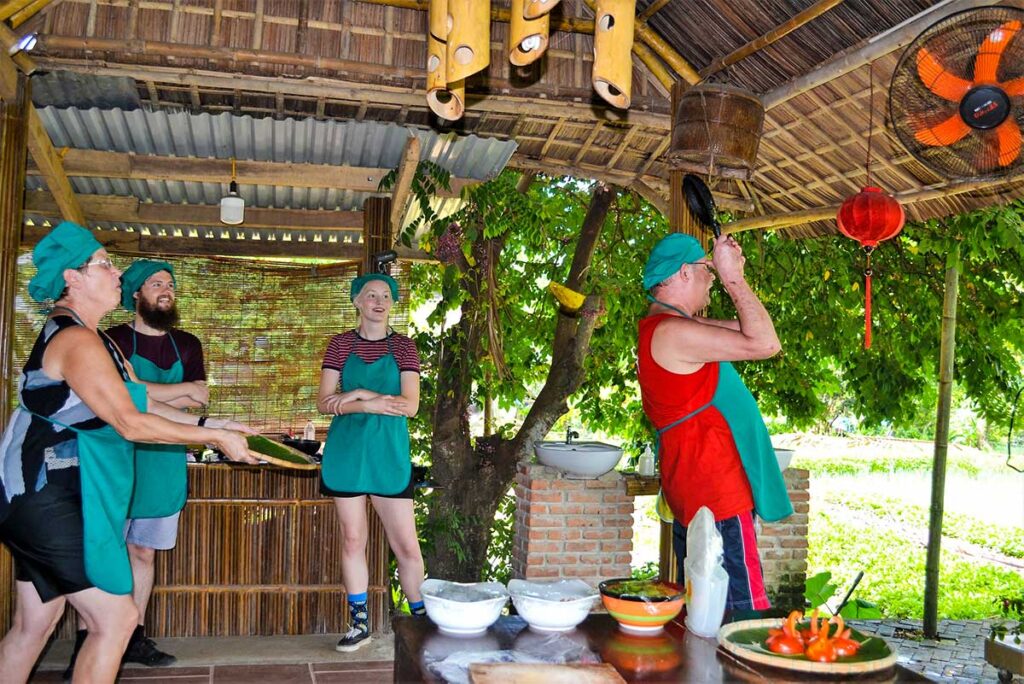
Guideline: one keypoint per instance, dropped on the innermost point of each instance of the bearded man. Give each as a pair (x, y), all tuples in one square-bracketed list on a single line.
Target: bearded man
[(170, 362)]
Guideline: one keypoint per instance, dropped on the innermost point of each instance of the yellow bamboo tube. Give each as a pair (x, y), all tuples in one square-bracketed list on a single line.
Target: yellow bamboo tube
[(527, 38), (469, 38), (613, 44), (536, 8), (448, 102), (438, 18)]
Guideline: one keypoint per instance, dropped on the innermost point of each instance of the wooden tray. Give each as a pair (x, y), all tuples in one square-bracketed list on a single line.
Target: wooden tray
[(746, 640), (278, 454)]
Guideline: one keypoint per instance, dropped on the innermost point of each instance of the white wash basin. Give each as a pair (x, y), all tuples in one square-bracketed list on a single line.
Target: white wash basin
[(591, 459)]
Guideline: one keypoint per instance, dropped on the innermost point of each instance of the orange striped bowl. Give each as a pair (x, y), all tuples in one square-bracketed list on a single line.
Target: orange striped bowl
[(642, 606)]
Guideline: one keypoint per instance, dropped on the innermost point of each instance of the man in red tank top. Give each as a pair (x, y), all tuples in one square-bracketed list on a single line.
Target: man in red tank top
[(682, 376)]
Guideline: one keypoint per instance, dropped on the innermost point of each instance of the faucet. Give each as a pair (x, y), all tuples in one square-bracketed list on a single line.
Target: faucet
[(570, 435)]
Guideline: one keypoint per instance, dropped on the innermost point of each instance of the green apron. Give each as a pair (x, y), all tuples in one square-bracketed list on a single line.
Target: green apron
[(106, 463), (161, 474), (367, 452), (757, 455)]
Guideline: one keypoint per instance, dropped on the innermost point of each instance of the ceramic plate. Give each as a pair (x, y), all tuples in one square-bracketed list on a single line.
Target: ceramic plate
[(746, 640)]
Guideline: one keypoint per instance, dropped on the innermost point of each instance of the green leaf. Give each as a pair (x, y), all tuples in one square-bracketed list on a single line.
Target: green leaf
[(818, 590)]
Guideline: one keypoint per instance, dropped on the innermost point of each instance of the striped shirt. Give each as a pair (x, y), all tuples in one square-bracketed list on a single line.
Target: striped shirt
[(347, 343)]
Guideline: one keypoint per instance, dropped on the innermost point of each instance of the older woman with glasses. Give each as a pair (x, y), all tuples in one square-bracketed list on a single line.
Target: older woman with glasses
[(67, 459)]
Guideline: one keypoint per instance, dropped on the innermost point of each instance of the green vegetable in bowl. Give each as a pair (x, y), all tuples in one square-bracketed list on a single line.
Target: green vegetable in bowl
[(646, 590)]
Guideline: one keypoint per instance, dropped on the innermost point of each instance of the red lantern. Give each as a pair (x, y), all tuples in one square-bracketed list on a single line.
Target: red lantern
[(869, 217)]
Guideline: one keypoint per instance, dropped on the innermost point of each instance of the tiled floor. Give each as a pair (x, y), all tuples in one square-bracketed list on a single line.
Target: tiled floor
[(253, 660)]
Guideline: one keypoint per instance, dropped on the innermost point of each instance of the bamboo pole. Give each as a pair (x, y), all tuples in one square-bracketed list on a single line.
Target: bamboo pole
[(813, 12), (795, 218), (9, 9), (651, 10), (23, 15), (869, 50), (947, 356), (13, 156)]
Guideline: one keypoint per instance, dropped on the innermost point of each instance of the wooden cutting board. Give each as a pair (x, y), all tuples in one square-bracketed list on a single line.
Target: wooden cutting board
[(530, 673)]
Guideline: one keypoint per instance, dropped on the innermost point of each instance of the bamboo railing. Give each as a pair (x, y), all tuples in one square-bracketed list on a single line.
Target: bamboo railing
[(258, 554)]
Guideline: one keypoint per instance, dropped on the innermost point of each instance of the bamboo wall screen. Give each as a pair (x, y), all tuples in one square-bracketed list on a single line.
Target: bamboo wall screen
[(259, 550), (264, 326)]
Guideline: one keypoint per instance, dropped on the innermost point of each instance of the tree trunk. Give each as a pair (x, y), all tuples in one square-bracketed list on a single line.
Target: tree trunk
[(475, 478)]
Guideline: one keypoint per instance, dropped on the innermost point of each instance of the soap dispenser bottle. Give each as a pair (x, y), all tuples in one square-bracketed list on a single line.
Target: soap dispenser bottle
[(646, 464), (309, 433)]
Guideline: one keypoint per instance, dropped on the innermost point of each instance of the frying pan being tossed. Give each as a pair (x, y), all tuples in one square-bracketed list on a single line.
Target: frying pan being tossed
[(701, 203)]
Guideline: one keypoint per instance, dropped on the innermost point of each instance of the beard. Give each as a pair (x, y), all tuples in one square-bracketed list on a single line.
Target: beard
[(155, 317)]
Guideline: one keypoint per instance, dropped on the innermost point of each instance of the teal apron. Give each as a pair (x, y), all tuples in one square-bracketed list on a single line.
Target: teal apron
[(739, 408), (106, 463), (161, 474), (367, 452)]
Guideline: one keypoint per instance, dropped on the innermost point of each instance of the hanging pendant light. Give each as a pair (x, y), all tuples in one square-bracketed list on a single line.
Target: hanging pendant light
[(232, 206)]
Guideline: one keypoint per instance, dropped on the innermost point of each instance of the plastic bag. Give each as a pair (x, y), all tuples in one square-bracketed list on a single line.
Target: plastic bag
[(707, 582)]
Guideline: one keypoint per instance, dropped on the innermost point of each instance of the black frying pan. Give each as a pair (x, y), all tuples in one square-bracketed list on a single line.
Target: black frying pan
[(701, 203)]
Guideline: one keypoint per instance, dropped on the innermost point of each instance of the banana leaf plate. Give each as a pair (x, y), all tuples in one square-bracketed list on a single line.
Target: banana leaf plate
[(746, 640), (278, 454)]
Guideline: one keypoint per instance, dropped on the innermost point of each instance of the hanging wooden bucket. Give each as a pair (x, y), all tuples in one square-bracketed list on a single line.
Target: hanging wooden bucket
[(716, 129)]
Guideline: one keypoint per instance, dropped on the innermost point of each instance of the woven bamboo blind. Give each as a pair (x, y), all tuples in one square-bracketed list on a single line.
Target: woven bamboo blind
[(264, 326)]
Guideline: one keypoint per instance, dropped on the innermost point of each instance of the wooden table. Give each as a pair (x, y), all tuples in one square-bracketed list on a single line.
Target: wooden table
[(673, 656)]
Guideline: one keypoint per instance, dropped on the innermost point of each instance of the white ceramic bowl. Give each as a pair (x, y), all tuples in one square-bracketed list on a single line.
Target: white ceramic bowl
[(589, 459), (463, 609), (554, 606)]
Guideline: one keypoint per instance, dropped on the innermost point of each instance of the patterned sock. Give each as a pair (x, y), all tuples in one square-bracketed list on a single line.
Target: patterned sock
[(417, 608), (357, 612)]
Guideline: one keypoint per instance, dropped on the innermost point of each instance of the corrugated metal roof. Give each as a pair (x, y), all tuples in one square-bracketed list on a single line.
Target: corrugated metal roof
[(62, 88), (222, 136)]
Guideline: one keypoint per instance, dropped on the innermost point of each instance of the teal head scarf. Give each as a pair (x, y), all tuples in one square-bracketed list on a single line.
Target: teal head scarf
[(358, 283), (136, 275), (68, 245), (669, 255)]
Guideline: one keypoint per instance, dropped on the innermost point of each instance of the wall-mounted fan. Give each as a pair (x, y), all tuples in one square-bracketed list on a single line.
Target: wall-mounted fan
[(957, 94)]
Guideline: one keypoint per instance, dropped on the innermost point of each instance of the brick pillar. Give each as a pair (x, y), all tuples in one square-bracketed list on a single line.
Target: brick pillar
[(783, 546), (572, 528)]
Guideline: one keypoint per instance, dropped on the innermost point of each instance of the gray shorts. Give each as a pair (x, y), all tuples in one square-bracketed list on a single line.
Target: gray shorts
[(152, 533)]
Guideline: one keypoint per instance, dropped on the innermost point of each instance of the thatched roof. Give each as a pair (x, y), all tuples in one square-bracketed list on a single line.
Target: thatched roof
[(824, 83)]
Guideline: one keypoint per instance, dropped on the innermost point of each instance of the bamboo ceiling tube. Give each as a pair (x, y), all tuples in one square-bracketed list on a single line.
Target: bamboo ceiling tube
[(447, 100), (534, 9), (469, 38), (527, 37), (613, 44)]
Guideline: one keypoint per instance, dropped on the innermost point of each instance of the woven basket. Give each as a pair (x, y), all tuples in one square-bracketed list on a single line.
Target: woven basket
[(715, 130)]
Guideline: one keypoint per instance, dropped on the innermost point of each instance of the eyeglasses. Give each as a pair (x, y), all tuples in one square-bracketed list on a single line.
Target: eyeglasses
[(706, 264), (106, 264)]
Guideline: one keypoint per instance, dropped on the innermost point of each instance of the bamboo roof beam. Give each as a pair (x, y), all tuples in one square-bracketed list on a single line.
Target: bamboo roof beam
[(350, 91), (129, 210), (651, 195), (794, 218), (813, 12), (553, 136), (100, 164), (651, 10), (28, 11), (12, 7), (138, 244), (868, 51), (585, 147), (48, 162), (401, 193)]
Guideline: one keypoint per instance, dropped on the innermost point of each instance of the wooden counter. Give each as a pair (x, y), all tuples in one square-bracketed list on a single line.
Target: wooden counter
[(258, 553)]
